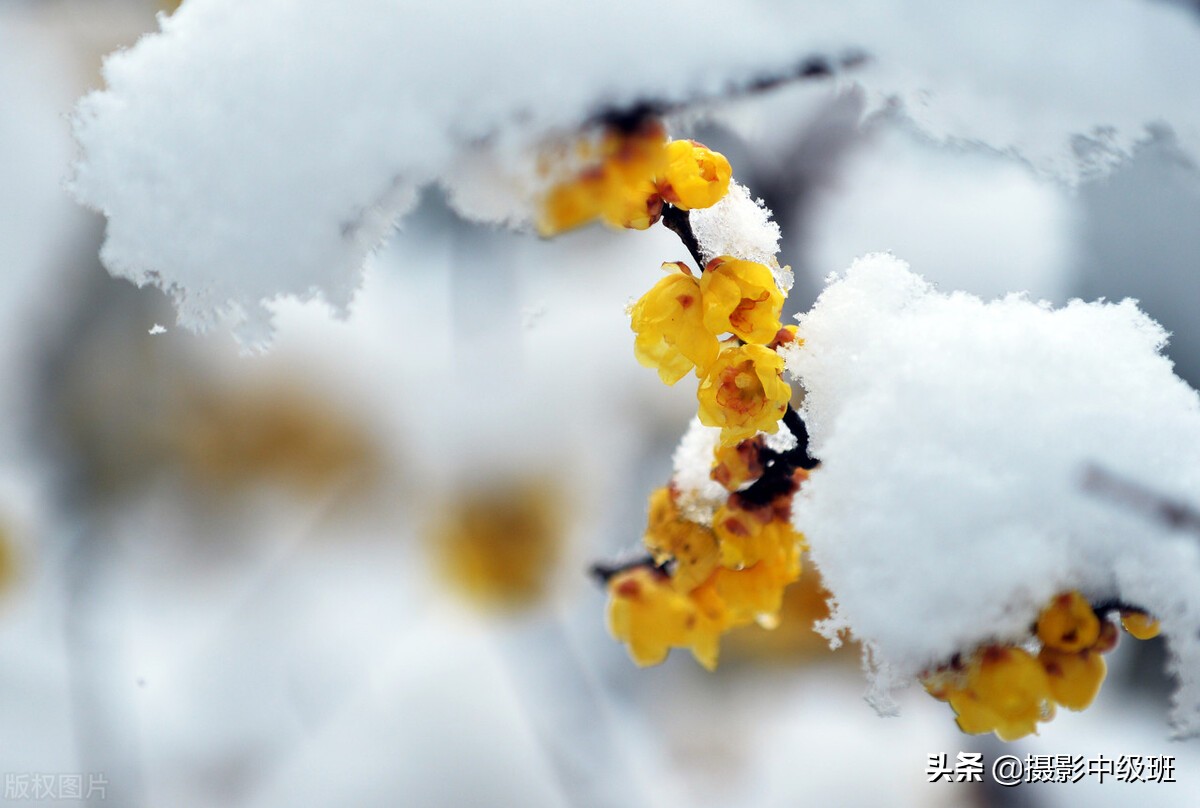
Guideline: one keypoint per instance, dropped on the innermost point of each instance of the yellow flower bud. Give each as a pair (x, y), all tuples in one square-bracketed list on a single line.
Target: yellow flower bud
[(734, 466), (1140, 625), (634, 206), (1069, 623), (695, 176)]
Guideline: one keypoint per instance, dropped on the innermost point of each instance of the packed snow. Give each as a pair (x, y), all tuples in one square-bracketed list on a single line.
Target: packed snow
[(954, 436), (257, 149)]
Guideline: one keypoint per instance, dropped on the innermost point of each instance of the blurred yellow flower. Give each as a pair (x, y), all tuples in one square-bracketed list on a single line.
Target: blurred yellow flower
[(748, 536), (669, 324), (1069, 623), (741, 297), (646, 613), (274, 433), (743, 393), (499, 545), (736, 465), (695, 176), (618, 186), (1140, 625), (1007, 692), (1075, 678), (669, 536), (804, 603), (755, 593), (571, 204), (8, 560)]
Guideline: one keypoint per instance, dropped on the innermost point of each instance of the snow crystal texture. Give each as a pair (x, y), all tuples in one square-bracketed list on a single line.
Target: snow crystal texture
[(257, 148), (954, 436)]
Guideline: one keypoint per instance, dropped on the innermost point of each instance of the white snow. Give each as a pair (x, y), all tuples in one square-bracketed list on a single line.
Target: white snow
[(257, 148), (699, 494), (738, 225), (953, 436), (972, 220)]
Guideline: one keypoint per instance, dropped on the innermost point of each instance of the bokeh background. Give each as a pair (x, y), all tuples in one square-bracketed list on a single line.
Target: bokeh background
[(352, 570)]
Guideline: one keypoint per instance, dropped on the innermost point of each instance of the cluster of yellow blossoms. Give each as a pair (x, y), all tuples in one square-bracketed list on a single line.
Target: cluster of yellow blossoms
[(629, 175), (1007, 690), (724, 323), (706, 581), (680, 323)]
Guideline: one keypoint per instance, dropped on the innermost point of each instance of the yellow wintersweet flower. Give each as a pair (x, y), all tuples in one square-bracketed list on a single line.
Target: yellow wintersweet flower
[(741, 297), (646, 613), (1007, 692), (632, 160), (734, 466), (1069, 623), (634, 156), (670, 536), (695, 176), (712, 620), (669, 324), (499, 545), (743, 393), (756, 592), (617, 187), (749, 535), (571, 204), (1075, 679), (1140, 625), (634, 205), (651, 616)]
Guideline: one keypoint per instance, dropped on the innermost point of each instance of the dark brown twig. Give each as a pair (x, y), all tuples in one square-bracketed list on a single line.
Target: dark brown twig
[(603, 572), (630, 117), (679, 223), (1171, 513), (776, 478)]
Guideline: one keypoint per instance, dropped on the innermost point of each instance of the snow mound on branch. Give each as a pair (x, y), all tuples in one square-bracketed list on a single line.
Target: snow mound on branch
[(257, 148), (699, 495), (954, 436), (738, 225)]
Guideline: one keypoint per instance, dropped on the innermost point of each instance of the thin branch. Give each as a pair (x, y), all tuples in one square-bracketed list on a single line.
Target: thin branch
[(603, 572), (680, 223), (799, 454), (1171, 513), (776, 478), (630, 117)]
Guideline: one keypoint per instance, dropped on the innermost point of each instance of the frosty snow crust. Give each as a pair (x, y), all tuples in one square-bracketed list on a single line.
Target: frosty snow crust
[(953, 436), (257, 148)]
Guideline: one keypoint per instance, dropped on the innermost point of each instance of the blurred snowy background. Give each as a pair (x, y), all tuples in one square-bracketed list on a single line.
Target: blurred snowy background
[(351, 570)]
